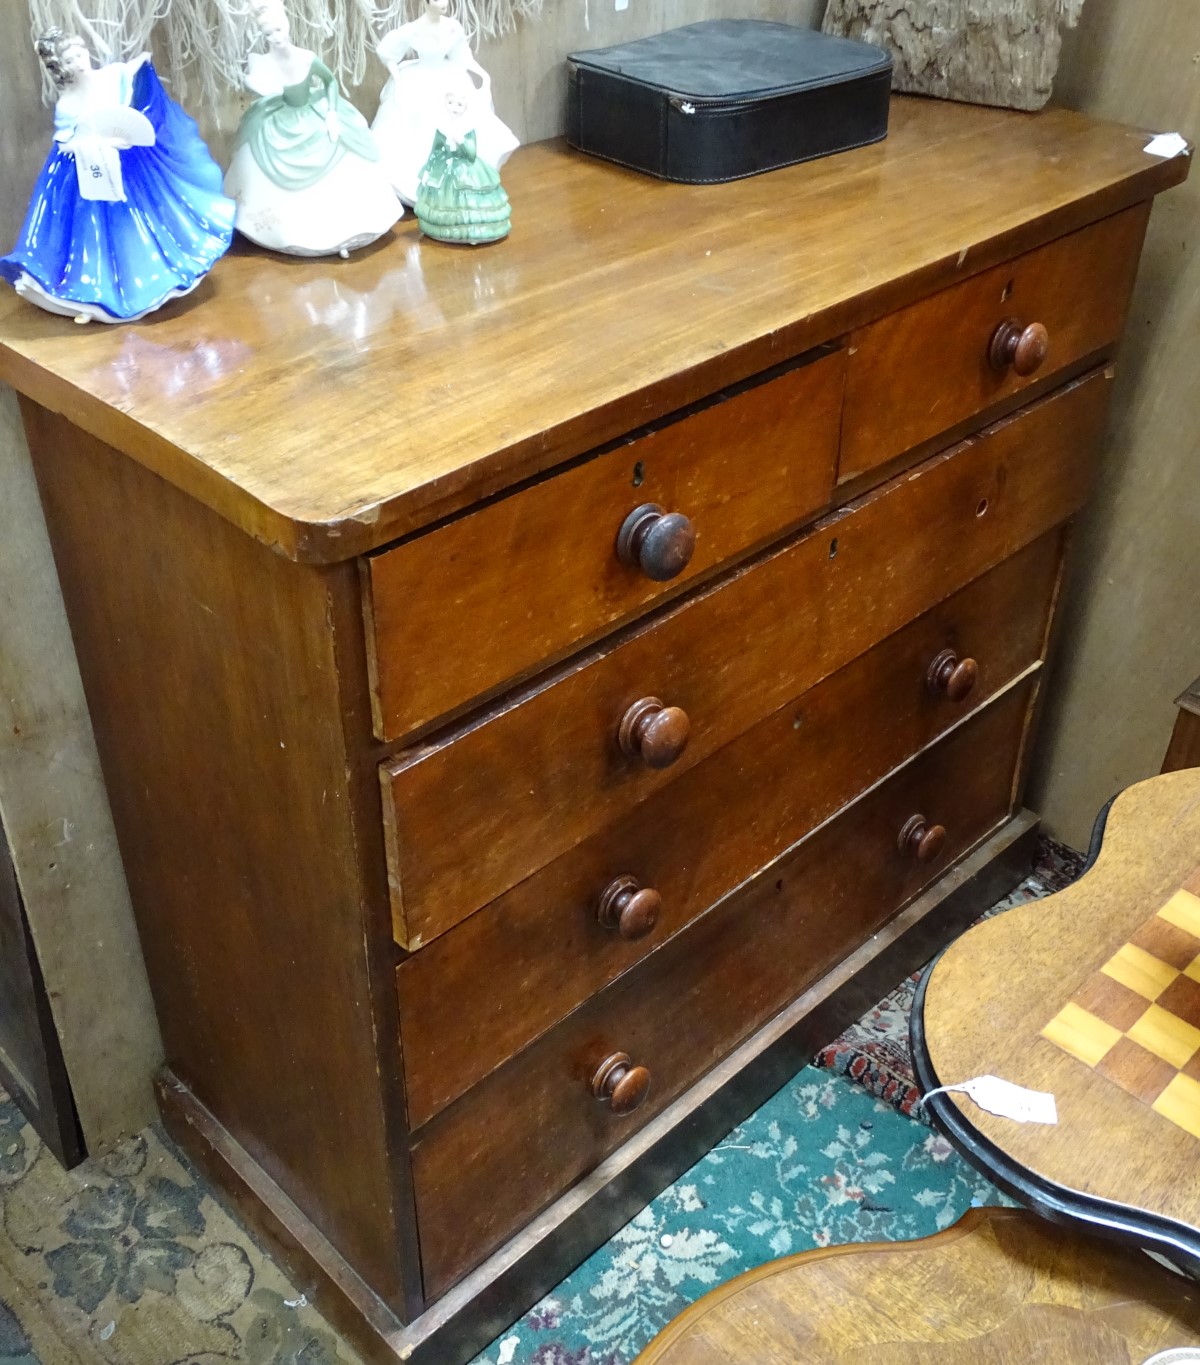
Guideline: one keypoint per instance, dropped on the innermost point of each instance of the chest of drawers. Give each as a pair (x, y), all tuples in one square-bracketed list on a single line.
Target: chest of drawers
[(545, 691)]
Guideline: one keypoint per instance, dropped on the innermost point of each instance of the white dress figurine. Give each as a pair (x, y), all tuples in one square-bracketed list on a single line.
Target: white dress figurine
[(423, 57), (306, 172)]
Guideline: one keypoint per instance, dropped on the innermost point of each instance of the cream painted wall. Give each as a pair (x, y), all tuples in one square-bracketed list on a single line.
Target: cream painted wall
[(1131, 637)]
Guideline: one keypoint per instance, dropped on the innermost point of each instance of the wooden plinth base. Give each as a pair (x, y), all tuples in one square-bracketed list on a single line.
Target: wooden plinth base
[(480, 1307)]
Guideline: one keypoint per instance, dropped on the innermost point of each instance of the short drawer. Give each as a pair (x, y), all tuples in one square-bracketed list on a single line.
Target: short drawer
[(931, 367), (503, 591), (472, 813), (542, 947), (487, 1164)]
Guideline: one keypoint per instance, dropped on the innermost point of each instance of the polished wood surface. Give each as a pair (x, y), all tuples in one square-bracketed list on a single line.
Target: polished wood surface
[(329, 406), (512, 586), (992, 994), (1000, 1287), (489, 1162), (230, 725), (540, 773), (543, 947), (928, 367)]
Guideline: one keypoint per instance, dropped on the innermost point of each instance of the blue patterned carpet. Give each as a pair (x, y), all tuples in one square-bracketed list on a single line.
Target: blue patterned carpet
[(821, 1163)]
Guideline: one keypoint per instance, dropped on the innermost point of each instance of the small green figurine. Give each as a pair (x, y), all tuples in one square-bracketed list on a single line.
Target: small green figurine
[(459, 195)]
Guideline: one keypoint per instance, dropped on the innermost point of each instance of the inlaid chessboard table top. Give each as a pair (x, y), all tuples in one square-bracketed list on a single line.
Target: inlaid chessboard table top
[(1091, 995), (1001, 1287), (1137, 1020), (329, 406)]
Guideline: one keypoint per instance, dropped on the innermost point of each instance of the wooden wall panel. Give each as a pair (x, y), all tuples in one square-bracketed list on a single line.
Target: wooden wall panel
[(63, 846), (1131, 637)]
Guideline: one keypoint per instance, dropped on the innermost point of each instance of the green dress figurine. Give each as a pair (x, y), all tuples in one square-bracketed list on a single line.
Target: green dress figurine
[(459, 195)]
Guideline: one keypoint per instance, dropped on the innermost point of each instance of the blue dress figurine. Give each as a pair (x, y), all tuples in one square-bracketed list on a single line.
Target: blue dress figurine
[(128, 210)]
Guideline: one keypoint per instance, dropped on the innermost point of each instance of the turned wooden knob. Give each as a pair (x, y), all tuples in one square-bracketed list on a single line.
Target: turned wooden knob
[(629, 907), (1022, 348), (951, 677), (921, 840), (657, 542), (658, 733), (621, 1083)]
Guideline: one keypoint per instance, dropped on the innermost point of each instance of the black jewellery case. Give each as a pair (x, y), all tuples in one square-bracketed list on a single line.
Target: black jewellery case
[(727, 98)]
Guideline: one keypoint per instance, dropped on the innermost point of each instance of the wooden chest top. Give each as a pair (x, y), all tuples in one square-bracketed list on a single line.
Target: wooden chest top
[(328, 406)]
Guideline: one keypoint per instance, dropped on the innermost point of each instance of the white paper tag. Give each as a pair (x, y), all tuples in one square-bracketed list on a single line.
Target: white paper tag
[(1007, 1100), (98, 166), (1166, 145)]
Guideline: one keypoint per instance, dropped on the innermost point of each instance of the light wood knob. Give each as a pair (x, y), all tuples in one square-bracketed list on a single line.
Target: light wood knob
[(656, 733), (629, 907), (621, 1083), (921, 840), (659, 543), (951, 677), (1023, 348)]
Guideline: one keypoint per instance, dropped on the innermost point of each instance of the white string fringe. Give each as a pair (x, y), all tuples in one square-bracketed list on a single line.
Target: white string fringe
[(205, 42)]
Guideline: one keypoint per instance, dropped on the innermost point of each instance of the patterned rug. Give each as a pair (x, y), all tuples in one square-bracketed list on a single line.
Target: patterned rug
[(132, 1260), (874, 1051)]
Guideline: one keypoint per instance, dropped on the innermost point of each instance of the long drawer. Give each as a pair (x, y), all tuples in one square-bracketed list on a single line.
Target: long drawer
[(542, 947), (488, 1163), (928, 368), (470, 814), (456, 612)]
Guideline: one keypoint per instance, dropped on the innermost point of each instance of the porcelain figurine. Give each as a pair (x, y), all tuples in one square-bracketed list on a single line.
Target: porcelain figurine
[(128, 211), (423, 57), (306, 172), (459, 195)]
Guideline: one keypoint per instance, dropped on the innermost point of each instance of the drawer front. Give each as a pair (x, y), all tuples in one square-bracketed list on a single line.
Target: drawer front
[(542, 947), (456, 612), (926, 369), (471, 815), (486, 1165)]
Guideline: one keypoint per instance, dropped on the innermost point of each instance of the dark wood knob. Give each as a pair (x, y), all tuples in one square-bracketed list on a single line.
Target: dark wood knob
[(921, 840), (658, 733), (629, 907), (657, 542), (621, 1083), (951, 677), (1022, 348)]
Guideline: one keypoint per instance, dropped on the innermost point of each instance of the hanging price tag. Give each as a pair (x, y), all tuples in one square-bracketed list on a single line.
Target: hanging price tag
[(1006, 1100)]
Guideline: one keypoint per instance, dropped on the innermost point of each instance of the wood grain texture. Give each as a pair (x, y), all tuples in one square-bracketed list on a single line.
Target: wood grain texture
[(1001, 1287), (992, 993), (512, 587), (489, 1162), (541, 945), (542, 772), (231, 724), (480, 1307), (926, 368), (328, 407)]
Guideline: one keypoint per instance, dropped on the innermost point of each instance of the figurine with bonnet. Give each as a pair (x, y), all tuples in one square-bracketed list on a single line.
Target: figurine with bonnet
[(426, 58), (128, 211)]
